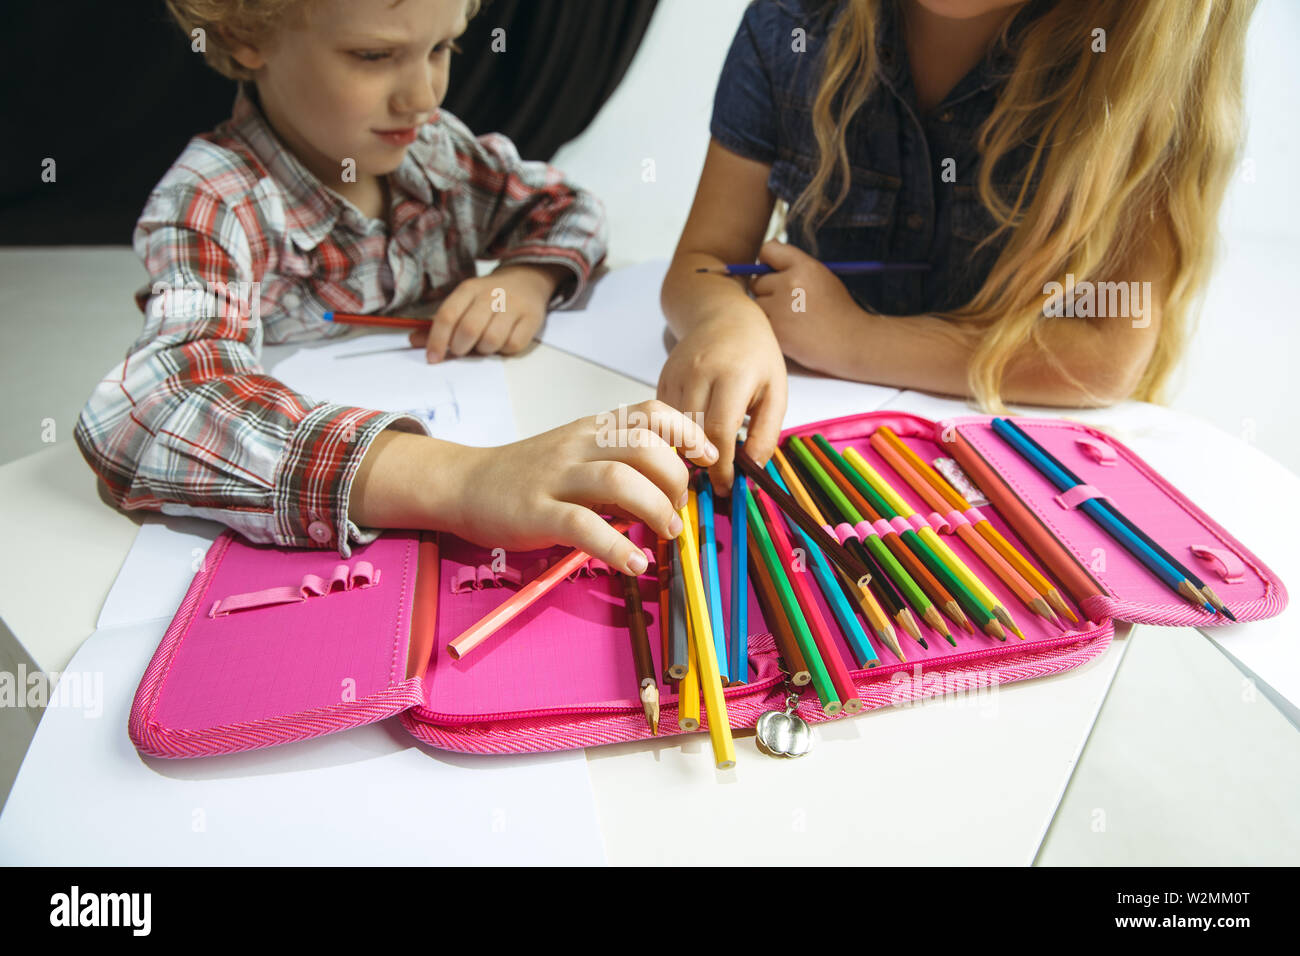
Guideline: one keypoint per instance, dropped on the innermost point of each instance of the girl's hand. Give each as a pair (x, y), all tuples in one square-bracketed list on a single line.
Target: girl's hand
[(500, 312), (810, 310), (548, 489), (726, 367)]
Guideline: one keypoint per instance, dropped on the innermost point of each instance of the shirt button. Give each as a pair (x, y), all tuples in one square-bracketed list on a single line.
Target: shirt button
[(290, 300), (946, 117), (915, 221), (320, 532)]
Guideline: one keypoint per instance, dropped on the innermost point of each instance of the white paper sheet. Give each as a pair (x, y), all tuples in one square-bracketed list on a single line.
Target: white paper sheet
[(371, 795), (464, 400), (622, 329), (165, 556)]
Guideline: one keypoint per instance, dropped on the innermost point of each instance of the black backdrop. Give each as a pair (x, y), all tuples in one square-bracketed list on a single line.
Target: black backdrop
[(112, 92)]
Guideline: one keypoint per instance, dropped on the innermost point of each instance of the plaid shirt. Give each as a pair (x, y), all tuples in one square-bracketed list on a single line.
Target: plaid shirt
[(242, 242)]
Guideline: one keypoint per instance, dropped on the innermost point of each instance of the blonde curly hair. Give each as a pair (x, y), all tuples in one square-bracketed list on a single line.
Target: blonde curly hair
[(246, 19)]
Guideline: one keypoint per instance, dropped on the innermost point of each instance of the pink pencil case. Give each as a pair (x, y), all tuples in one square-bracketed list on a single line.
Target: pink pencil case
[(272, 645)]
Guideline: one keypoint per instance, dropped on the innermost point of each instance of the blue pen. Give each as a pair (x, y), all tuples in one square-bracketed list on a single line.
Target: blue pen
[(709, 559), (1102, 516), (739, 650), (839, 268), (830, 585)]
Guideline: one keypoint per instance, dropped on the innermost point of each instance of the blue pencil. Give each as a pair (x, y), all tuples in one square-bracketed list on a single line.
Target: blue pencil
[(830, 585), (709, 559), (839, 268), (1053, 472), (738, 652)]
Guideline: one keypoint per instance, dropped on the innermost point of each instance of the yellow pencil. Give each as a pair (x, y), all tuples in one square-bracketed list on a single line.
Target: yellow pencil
[(928, 535), (715, 704), (688, 688)]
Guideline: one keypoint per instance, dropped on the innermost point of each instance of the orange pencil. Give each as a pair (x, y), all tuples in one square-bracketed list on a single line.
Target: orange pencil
[(521, 600), (380, 321)]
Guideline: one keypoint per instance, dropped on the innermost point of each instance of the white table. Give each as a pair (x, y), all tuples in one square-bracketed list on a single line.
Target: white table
[(938, 782)]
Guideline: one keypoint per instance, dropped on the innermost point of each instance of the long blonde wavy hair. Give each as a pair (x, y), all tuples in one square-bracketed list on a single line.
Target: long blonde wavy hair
[(1144, 133)]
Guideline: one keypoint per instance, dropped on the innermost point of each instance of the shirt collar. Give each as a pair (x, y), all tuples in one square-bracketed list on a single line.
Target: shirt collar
[(313, 210)]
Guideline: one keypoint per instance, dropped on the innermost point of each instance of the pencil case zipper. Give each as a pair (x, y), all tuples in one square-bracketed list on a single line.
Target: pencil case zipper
[(752, 688)]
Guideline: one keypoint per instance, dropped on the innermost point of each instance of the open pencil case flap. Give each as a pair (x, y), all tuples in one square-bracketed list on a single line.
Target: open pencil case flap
[(1110, 470), (272, 645), (560, 675)]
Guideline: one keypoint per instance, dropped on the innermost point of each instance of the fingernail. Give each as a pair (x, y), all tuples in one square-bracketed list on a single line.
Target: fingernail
[(636, 564), (711, 449), (675, 526), (686, 496)]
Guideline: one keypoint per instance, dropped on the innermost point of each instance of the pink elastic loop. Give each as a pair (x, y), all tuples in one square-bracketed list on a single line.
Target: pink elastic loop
[(484, 577), (264, 598), (844, 531), (864, 530), (973, 515), (363, 575), (313, 585), (955, 520), (882, 527), (464, 580), (1098, 451), (597, 566), (899, 524), (510, 574), (933, 520), (1224, 563), (339, 582), (1069, 500)]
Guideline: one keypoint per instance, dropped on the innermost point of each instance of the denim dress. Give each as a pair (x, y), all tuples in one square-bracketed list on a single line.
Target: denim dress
[(900, 205)]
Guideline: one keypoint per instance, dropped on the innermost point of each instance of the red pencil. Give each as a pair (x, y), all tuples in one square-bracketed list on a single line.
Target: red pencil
[(382, 321)]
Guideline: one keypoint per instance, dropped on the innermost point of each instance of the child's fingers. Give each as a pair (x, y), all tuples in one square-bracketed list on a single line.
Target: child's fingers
[(779, 255), (520, 335), (655, 458), (445, 321), (727, 404), (765, 420), (471, 327), (615, 484), (494, 335), (582, 528), (679, 430)]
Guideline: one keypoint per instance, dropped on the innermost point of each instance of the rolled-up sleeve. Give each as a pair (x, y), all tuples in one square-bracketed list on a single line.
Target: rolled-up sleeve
[(744, 108), (189, 424), (527, 211)]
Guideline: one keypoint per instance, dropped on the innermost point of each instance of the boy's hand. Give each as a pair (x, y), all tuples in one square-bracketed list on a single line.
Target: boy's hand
[(810, 309), (500, 312)]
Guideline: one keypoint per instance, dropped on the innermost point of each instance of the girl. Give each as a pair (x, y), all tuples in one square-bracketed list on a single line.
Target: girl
[(1058, 166), (338, 185)]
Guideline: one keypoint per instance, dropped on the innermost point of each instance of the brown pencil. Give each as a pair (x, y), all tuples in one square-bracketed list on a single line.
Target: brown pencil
[(647, 686)]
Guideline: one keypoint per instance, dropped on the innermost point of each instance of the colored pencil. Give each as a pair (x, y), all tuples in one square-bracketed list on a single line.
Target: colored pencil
[(521, 600), (678, 658), (967, 589), (715, 704), (851, 564), (801, 460), (991, 534), (984, 549), (830, 587), (838, 268), (642, 661), (709, 566), (1180, 568), (688, 688), (738, 651), (378, 321), (866, 599), (821, 679), (1046, 465), (774, 616), (663, 584), (845, 690), (852, 460), (911, 553)]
